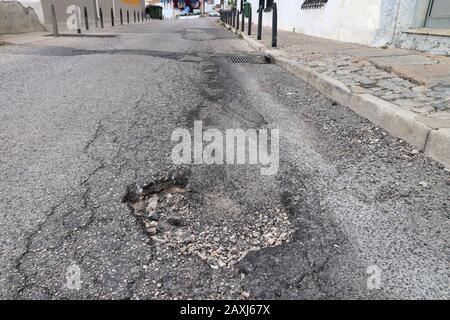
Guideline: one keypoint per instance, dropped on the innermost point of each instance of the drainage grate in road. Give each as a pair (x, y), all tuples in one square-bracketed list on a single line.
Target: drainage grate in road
[(247, 60)]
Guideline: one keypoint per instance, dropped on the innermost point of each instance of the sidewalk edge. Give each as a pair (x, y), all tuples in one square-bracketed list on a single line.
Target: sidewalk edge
[(398, 122)]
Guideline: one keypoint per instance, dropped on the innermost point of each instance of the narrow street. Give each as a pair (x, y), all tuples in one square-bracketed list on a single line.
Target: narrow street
[(86, 120)]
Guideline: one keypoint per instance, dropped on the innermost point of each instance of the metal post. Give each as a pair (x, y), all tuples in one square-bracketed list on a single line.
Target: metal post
[(260, 16), (237, 21), (138, 16), (121, 17), (86, 19), (243, 21), (233, 13), (112, 17), (55, 23), (274, 25), (101, 18), (128, 17), (134, 12), (250, 21), (142, 15)]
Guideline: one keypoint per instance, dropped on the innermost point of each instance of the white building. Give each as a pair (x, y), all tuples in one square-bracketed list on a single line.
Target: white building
[(414, 24)]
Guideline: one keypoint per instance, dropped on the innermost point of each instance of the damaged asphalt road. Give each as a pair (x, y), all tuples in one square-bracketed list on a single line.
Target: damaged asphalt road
[(86, 145)]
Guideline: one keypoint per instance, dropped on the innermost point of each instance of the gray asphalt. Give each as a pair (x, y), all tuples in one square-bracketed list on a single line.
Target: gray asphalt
[(83, 118)]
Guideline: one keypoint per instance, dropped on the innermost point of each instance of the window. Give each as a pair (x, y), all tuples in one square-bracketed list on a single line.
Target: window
[(438, 15), (313, 4)]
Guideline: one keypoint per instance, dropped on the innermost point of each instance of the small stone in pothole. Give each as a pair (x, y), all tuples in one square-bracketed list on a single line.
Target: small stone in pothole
[(151, 224), (423, 184), (176, 221), (152, 204), (158, 240), (151, 231), (154, 216)]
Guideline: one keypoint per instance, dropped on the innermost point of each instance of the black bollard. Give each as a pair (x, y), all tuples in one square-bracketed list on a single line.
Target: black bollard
[(274, 25), (121, 17), (86, 19), (250, 22), (260, 16), (134, 12), (237, 21), (112, 17), (142, 15), (128, 17), (243, 21), (233, 14), (55, 22), (101, 18)]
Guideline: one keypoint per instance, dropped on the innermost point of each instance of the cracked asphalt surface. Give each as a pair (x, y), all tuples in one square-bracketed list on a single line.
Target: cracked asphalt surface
[(84, 118)]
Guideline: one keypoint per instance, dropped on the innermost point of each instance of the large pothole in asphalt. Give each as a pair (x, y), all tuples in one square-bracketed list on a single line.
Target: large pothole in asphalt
[(173, 219)]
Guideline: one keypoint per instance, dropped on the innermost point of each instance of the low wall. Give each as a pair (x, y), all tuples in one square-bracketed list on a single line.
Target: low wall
[(65, 11), (15, 18)]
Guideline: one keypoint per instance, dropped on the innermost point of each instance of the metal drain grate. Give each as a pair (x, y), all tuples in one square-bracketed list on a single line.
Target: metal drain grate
[(242, 60)]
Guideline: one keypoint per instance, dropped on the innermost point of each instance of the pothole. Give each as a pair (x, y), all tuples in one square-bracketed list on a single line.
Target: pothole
[(211, 226)]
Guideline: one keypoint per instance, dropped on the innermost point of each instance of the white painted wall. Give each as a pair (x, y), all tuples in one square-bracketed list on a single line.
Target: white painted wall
[(357, 21)]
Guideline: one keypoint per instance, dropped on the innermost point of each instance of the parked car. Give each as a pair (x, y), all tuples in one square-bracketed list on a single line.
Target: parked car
[(214, 14)]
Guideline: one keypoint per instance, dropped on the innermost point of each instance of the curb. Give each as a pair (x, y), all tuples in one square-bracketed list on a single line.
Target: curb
[(438, 146), (403, 124)]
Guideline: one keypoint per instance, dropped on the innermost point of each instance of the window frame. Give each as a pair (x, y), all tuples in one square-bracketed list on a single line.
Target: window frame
[(429, 18)]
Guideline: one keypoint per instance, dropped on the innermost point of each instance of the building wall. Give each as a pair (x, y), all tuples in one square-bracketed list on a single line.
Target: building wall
[(343, 20), (369, 22)]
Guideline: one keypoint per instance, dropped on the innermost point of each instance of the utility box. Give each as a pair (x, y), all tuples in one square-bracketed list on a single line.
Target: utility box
[(247, 8)]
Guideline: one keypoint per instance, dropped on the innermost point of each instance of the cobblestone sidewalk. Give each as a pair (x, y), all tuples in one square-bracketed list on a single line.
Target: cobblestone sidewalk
[(414, 81)]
